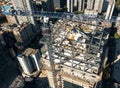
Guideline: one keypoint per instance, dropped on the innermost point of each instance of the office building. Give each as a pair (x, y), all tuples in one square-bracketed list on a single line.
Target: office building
[(90, 4), (98, 5), (24, 5), (47, 5), (35, 55), (57, 4), (75, 3), (25, 64), (110, 9), (81, 5), (29, 61), (23, 34), (70, 6), (63, 3)]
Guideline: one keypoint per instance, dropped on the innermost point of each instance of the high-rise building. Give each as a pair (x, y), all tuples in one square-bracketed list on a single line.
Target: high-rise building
[(70, 6), (110, 9), (35, 55), (23, 34), (98, 5), (25, 64), (57, 4), (75, 3), (63, 3), (24, 5), (48, 5), (81, 5), (90, 4), (29, 60)]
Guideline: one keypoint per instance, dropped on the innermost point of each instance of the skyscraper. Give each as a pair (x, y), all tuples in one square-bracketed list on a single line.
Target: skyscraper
[(70, 5), (110, 9), (90, 4), (75, 3), (63, 3), (81, 5), (98, 5), (24, 5), (23, 35), (56, 4)]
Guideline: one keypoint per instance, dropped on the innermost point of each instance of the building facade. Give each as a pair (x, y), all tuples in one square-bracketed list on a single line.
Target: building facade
[(110, 9), (90, 4), (70, 6), (81, 5), (24, 5), (23, 34), (29, 60), (98, 5)]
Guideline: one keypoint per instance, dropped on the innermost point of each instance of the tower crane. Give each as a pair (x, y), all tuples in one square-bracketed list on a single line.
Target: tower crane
[(10, 11)]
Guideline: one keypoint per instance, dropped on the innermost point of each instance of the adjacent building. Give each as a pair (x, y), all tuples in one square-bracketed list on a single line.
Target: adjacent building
[(47, 5), (98, 6), (25, 5), (23, 34), (110, 9), (81, 5), (57, 4), (90, 4), (75, 3), (70, 6), (29, 60)]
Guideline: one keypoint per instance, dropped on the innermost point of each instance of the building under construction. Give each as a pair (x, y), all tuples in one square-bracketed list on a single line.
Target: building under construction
[(75, 52)]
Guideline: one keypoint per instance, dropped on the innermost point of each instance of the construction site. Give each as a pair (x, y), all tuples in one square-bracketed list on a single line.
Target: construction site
[(75, 52), (53, 49)]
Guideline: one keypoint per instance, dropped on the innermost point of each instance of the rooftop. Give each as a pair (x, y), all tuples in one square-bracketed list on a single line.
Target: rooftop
[(30, 51)]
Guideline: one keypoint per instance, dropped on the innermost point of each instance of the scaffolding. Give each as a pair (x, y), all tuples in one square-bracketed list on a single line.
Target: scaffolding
[(75, 52)]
